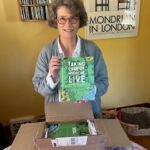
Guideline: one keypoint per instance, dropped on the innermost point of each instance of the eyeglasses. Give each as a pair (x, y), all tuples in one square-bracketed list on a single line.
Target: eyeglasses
[(63, 20)]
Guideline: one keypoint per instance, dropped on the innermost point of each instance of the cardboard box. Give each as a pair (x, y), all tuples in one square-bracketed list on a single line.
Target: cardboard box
[(110, 132)]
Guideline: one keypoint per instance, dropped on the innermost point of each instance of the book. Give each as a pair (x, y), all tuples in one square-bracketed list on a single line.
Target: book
[(67, 129), (70, 133), (77, 79)]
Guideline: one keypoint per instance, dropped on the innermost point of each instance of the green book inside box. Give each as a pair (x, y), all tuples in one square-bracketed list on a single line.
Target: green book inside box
[(68, 129), (77, 79)]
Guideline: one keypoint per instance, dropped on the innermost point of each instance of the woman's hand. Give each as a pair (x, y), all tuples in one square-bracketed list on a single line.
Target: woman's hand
[(54, 66), (81, 101)]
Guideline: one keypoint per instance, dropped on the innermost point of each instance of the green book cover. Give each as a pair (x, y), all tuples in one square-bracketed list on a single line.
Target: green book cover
[(68, 129), (77, 79)]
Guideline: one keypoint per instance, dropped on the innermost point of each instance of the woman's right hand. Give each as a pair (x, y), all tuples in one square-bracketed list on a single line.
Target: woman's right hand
[(54, 66)]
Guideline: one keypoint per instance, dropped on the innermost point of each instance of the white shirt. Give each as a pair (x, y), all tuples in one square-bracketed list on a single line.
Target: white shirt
[(75, 53)]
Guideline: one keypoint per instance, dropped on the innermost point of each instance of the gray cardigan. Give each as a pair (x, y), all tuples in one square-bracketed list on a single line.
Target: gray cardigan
[(88, 48)]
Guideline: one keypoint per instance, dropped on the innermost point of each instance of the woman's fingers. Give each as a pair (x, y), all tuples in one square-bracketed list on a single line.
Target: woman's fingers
[(54, 66)]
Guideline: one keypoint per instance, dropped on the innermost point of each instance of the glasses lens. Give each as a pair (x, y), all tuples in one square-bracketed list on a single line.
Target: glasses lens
[(74, 20), (61, 20)]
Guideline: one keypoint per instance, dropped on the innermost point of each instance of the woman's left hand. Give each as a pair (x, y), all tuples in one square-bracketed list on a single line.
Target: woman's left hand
[(81, 101)]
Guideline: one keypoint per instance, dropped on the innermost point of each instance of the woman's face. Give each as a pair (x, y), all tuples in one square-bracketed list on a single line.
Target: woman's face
[(67, 24)]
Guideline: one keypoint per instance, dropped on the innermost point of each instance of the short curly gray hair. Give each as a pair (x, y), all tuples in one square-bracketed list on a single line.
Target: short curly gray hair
[(76, 7)]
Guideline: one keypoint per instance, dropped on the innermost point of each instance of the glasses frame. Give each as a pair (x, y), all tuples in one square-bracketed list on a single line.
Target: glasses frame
[(72, 20)]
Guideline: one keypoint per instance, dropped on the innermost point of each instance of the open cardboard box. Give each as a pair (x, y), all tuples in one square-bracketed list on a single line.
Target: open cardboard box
[(110, 133)]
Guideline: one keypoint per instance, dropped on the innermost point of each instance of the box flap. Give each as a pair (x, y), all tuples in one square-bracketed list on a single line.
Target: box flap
[(26, 135), (114, 132), (45, 144), (68, 111)]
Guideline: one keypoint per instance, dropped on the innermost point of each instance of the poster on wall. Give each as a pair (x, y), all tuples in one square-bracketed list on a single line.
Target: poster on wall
[(112, 18)]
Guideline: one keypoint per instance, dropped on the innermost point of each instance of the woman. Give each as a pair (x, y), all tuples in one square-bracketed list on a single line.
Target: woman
[(68, 16)]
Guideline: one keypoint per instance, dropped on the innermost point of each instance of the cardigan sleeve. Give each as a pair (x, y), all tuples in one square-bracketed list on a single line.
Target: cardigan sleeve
[(101, 75), (41, 72)]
